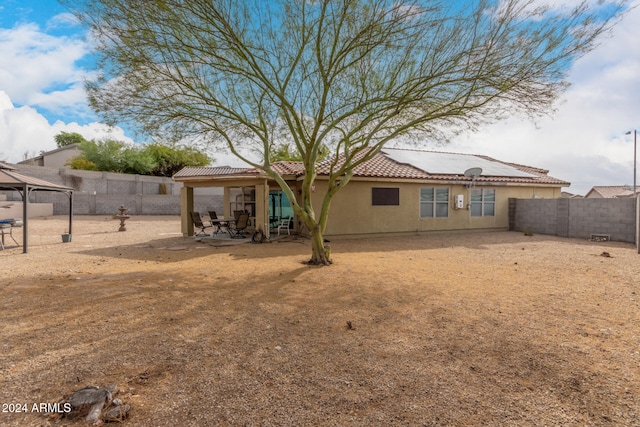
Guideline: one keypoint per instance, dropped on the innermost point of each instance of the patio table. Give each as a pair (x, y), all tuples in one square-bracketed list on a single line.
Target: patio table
[(3, 231), (221, 223)]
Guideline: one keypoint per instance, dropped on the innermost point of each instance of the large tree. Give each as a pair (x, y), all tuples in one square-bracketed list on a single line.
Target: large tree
[(68, 138), (350, 75), (144, 159)]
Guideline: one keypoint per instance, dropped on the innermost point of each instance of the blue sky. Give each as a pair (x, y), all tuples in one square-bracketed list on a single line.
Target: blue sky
[(44, 59)]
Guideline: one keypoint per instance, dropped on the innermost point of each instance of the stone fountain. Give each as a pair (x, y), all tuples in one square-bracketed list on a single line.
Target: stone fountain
[(122, 217)]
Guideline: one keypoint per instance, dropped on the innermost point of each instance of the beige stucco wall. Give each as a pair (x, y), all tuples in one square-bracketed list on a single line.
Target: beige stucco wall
[(58, 159), (16, 210), (353, 214)]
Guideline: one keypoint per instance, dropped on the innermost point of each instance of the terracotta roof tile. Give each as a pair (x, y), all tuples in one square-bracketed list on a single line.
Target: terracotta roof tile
[(611, 191), (382, 166), (203, 171)]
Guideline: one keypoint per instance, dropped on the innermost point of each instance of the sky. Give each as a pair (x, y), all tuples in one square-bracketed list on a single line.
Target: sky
[(44, 61)]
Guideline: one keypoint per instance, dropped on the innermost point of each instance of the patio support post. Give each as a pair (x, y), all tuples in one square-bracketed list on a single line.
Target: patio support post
[(70, 194), (25, 222), (262, 208), (186, 206)]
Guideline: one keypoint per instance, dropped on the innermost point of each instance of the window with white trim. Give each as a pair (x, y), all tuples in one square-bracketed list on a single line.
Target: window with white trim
[(483, 202), (434, 202)]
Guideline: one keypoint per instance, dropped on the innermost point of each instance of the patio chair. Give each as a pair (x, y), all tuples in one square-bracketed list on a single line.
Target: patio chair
[(216, 222), (284, 224), (236, 215), (238, 228), (197, 223)]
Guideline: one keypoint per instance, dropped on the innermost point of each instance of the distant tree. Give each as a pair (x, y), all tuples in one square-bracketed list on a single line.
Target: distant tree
[(169, 159), (79, 162), (112, 156), (67, 138), (350, 75), (152, 159), (285, 152)]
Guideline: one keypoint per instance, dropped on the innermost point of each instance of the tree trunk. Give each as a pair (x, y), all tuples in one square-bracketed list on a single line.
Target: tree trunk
[(320, 254)]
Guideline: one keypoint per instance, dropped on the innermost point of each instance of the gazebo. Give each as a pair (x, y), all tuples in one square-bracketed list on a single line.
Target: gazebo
[(12, 180)]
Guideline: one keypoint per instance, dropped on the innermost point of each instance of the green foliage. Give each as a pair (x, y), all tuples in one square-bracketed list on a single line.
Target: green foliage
[(285, 152), (152, 159), (170, 159), (79, 162), (67, 138)]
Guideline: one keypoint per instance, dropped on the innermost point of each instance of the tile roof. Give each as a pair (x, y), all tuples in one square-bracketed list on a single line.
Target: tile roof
[(383, 166), (611, 191), (204, 171), (283, 168)]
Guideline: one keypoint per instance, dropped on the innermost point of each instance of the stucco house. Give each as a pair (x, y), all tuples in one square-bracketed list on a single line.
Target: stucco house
[(55, 158), (398, 191), (609, 192)]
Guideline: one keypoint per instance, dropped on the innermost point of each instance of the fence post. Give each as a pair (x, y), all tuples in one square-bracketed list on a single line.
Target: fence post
[(512, 214), (637, 215)]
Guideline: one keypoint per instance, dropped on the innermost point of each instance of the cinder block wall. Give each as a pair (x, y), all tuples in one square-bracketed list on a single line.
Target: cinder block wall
[(102, 193), (579, 218), (537, 215)]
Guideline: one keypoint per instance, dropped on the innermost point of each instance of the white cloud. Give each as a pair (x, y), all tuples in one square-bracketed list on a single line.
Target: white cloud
[(25, 131), (35, 63), (584, 142), (62, 20), (555, 6)]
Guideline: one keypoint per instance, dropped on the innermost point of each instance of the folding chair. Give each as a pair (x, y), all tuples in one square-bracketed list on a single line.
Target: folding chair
[(197, 223), (237, 229)]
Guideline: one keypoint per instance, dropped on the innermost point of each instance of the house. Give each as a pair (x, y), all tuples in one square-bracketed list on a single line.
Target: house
[(397, 191), (609, 192), (567, 195), (55, 158)]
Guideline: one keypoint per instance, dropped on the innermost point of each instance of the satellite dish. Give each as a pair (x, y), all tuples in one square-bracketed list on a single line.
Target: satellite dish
[(472, 173)]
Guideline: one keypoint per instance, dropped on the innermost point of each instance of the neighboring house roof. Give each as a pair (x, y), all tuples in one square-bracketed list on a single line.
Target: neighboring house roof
[(46, 153), (610, 191), (567, 195), (407, 164)]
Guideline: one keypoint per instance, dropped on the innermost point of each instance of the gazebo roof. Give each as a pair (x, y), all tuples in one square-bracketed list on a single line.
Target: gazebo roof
[(12, 180)]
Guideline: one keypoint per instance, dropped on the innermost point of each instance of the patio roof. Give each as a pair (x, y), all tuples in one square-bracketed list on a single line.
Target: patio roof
[(405, 164), (283, 168), (12, 180)]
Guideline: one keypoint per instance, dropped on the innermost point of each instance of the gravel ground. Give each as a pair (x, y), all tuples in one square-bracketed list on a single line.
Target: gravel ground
[(445, 329)]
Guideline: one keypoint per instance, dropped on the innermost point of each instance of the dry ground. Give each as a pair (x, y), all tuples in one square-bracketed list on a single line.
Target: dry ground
[(450, 329)]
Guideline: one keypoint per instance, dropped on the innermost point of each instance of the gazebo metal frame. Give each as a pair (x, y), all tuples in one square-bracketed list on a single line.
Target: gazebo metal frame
[(23, 184)]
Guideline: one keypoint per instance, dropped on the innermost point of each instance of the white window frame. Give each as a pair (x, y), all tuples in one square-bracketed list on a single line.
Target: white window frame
[(434, 202), (483, 203)]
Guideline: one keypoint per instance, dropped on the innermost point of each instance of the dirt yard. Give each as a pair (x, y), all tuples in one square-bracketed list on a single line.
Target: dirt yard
[(489, 329)]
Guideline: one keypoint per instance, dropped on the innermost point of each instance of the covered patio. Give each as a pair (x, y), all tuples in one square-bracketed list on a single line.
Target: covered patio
[(245, 191)]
